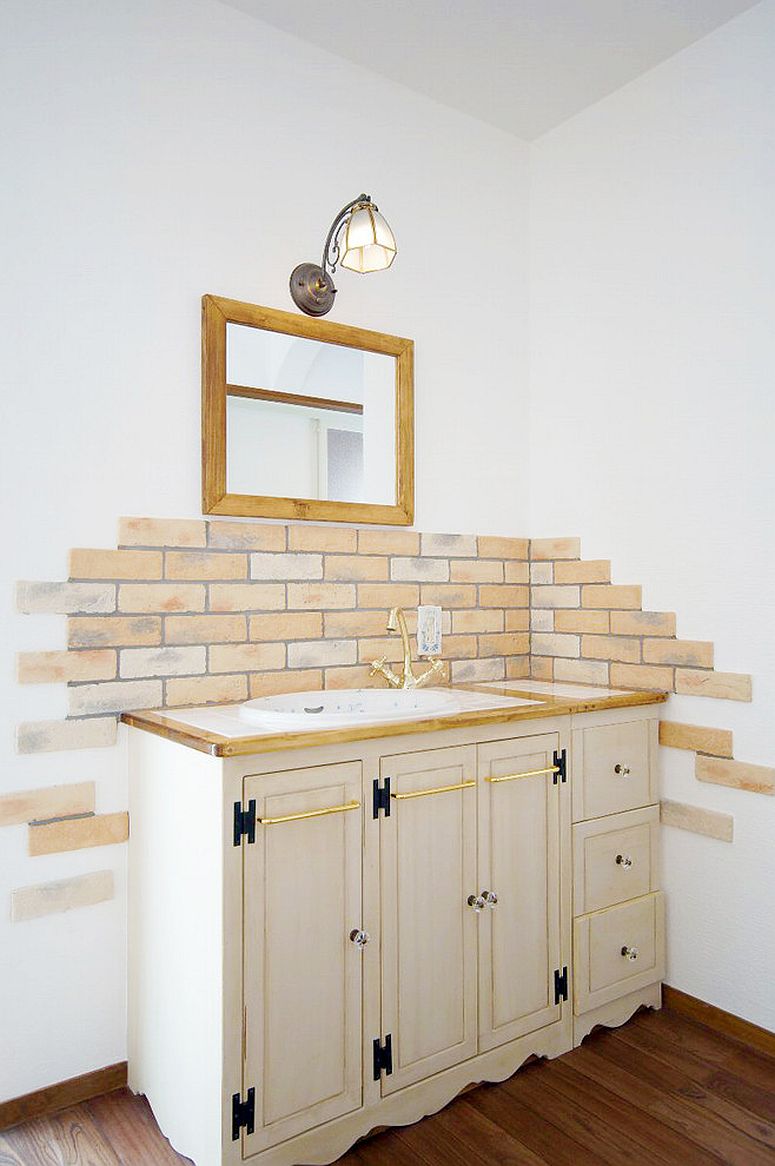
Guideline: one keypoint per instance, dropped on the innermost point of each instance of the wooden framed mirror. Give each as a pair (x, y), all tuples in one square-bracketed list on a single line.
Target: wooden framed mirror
[(303, 418)]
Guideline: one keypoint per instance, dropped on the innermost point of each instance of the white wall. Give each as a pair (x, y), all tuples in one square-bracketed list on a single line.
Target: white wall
[(156, 150), (652, 359)]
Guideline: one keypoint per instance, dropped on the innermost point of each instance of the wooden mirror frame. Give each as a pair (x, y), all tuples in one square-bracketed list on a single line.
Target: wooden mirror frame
[(216, 314)]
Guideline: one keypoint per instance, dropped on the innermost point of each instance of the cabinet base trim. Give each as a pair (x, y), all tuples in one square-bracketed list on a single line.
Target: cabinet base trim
[(616, 1012), (327, 1143)]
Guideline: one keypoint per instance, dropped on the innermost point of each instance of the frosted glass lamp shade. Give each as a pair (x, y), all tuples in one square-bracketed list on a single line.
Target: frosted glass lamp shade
[(368, 243)]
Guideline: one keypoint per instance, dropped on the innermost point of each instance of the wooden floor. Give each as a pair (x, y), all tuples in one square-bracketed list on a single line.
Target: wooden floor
[(661, 1089)]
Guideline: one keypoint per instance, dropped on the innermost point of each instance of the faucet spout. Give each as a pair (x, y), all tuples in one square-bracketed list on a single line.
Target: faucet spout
[(396, 622)]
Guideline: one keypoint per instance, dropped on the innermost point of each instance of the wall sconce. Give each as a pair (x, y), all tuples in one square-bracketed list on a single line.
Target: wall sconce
[(359, 239)]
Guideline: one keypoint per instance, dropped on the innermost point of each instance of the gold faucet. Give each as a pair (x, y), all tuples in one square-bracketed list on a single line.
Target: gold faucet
[(397, 622)]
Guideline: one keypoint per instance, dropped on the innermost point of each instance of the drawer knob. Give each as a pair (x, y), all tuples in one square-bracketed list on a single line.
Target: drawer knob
[(478, 902), (630, 953), (359, 938), (621, 769), (490, 898), (624, 861)]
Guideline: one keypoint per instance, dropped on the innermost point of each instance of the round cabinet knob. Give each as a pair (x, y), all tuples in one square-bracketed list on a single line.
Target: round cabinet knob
[(478, 902), (624, 861), (621, 769), (359, 938), (490, 898), (630, 953)]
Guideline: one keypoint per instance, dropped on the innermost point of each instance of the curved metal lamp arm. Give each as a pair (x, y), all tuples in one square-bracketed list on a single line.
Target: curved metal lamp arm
[(331, 254)]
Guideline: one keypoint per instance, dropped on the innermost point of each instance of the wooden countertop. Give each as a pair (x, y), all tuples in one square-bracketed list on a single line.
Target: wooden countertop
[(552, 700)]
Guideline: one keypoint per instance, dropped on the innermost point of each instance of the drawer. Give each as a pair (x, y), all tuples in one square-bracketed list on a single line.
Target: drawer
[(614, 768), (615, 859), (617, 951)]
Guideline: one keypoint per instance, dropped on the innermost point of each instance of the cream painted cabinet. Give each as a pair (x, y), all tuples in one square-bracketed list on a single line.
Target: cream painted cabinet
[(345, 936)]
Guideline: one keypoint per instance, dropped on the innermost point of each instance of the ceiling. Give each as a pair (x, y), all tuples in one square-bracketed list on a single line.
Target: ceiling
[(521, 65)]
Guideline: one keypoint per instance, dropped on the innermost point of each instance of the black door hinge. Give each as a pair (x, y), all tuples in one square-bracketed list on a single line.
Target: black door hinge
[(383, 1056), (245, 822), (381, 797), (560, 985), (561, 761), (243, 1114)]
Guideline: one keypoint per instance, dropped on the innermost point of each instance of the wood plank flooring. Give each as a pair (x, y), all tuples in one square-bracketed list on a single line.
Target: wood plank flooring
[(660, 1090)]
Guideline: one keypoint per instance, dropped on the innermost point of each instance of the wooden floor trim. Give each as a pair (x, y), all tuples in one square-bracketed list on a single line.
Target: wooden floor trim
[(712, 1017), (62, 1095)]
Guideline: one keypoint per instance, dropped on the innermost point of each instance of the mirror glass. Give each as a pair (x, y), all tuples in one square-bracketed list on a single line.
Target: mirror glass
[(309, 419)]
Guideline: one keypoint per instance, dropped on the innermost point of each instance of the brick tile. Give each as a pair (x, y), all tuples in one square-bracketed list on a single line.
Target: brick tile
[(759, 779), (114, 696), (555, 548), (387, 595), (167, 661), (541, 619), (326, 596), (54, 801), (620, 648), (286, 566), (451, 595), (206, 629), (611, 595), (581, 671), (495, 547), (328, 539), (100, 564), (477, 620), (196, 690), (62, 736), (555, 596), (62, 667), (552, 644), (643, 623), (247, 596), (65, 598), (541, 573), (449, 545), (591, 571), (696, 738), (53, 898), (478, 570), (463, 647), (161, 532), (542, 667), (721, 685), (246, 536), (517, 621), (697, 820), (517, 667), (692, 653), (204, 565), (370, 649), (517, 572), (419, 570), (357, 567), (649, 676), (354, 676), (507, 644), (97, 631), (322, 653), (287, 625), (78, 833), (388, 542), (246, 657), (581, 621), (473, 671), (275, 683), (503, 595), (346, 624), (161, 597)]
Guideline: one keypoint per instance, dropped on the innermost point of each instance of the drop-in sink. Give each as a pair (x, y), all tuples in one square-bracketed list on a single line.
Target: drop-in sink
[(303, 711)]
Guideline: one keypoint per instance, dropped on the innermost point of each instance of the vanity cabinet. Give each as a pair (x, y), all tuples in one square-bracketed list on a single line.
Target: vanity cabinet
[(342, 937)]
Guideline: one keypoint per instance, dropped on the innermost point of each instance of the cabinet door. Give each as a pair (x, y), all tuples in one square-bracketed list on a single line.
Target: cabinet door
[(519, 861), (428, 869), (302, 975)]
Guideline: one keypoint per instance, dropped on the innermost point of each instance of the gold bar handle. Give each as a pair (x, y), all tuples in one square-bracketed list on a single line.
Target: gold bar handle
[(439, 789), (309, 814), (528, 773)]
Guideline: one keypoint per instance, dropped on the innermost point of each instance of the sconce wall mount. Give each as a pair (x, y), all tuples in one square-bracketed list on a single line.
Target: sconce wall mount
[(359, 239)]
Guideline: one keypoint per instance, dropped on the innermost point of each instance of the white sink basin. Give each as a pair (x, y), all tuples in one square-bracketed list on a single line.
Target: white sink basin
[(303, 711)]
